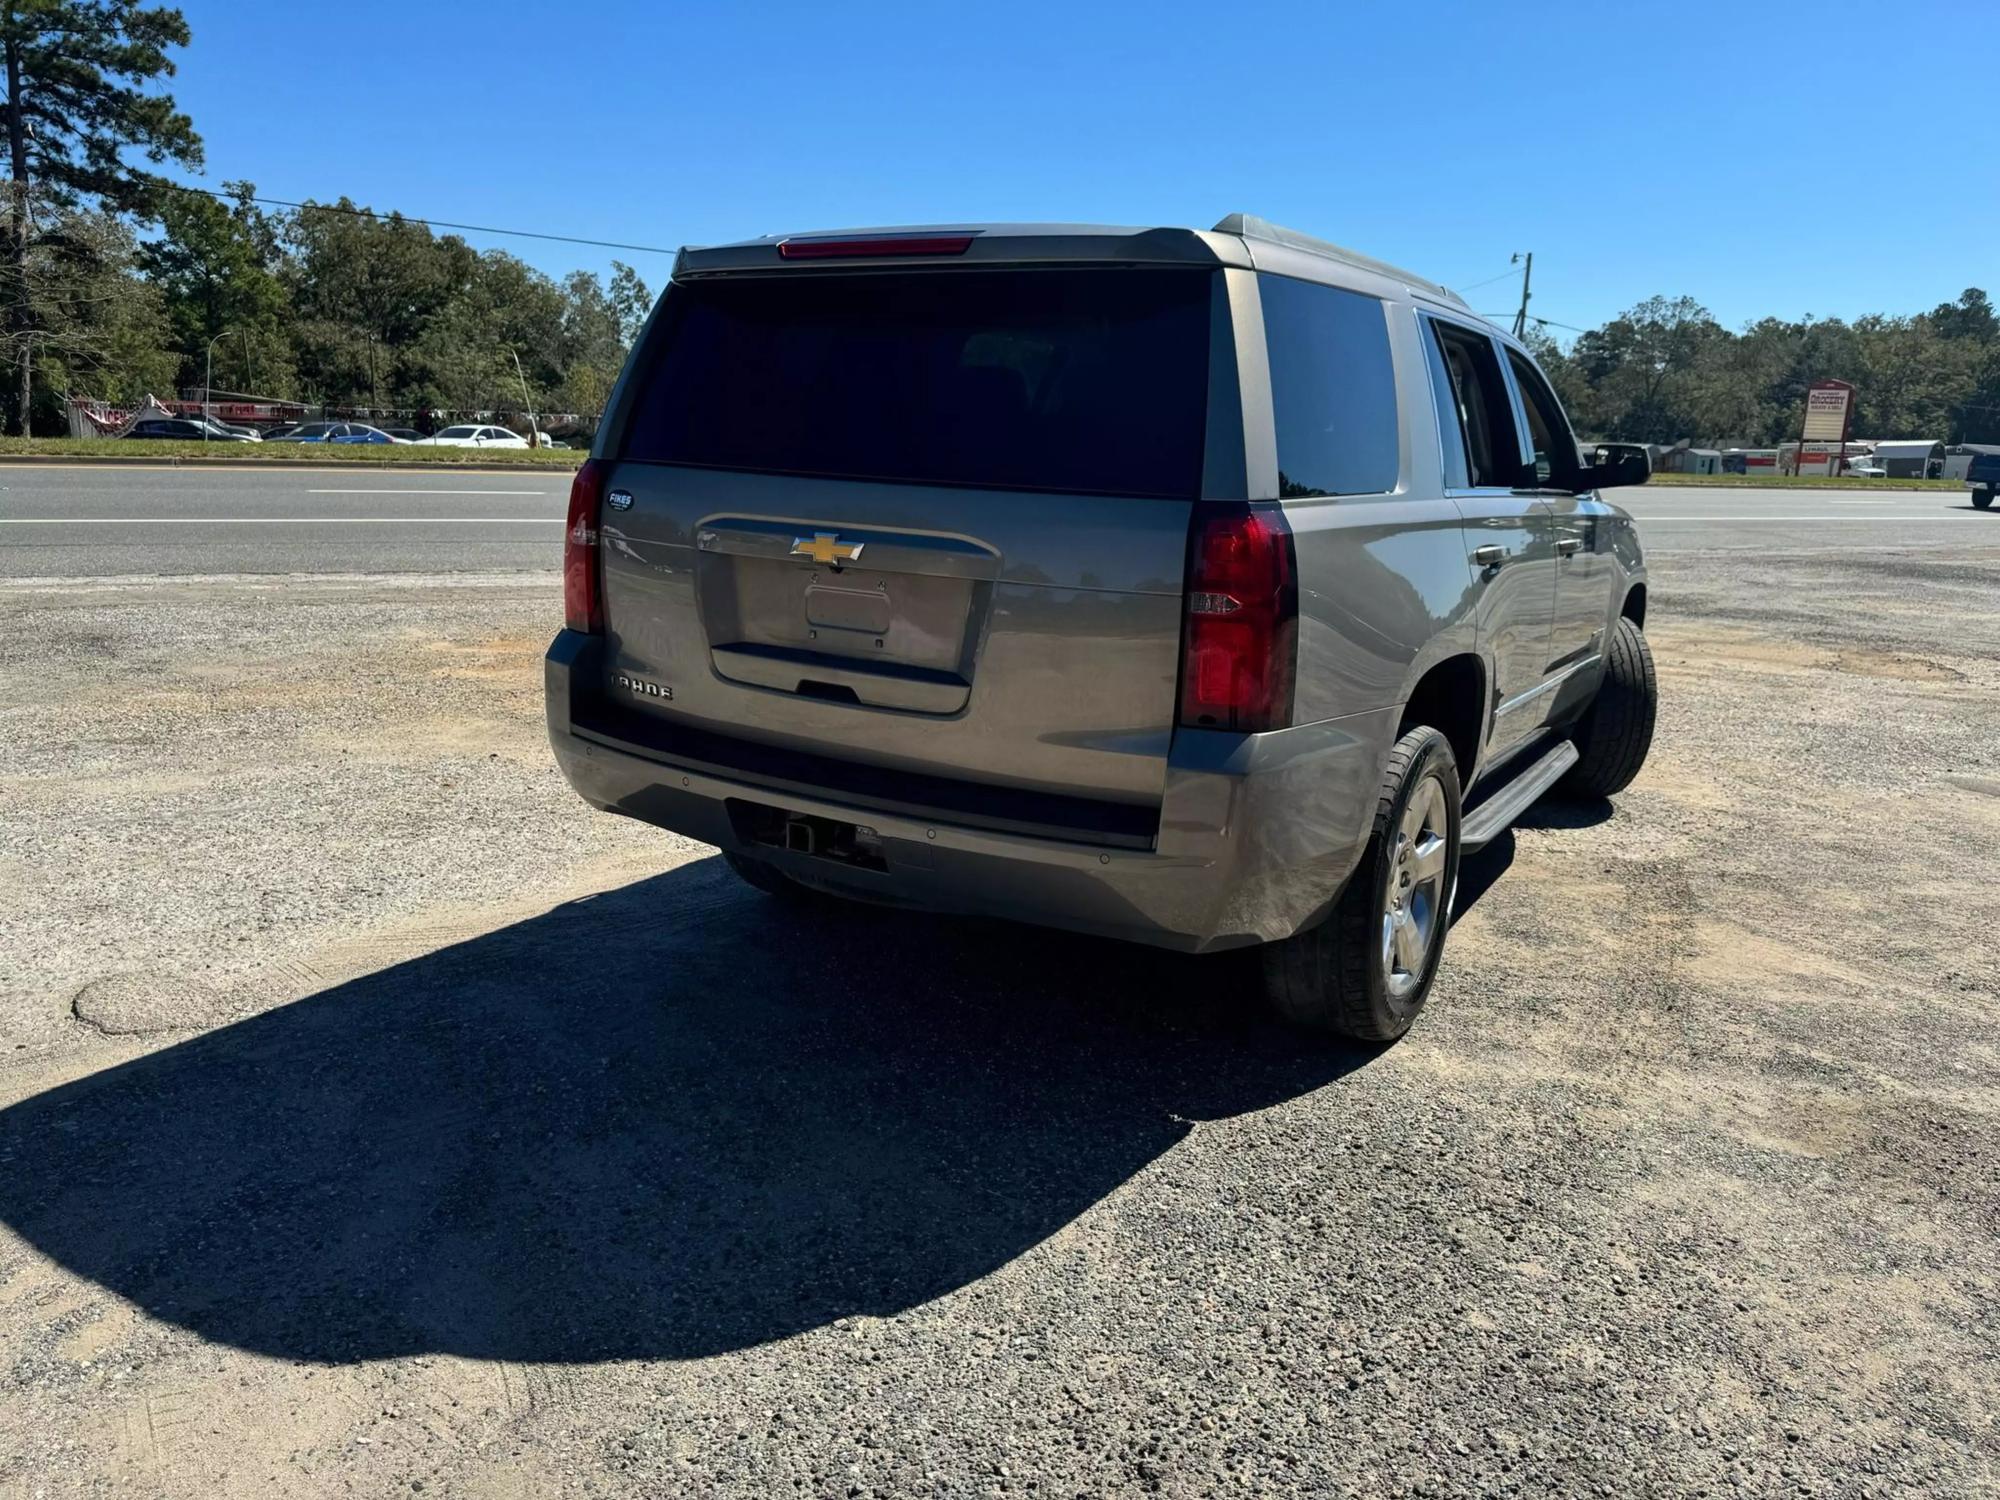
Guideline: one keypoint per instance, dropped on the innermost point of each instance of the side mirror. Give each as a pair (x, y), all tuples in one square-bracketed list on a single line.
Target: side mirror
[(1617, 465)]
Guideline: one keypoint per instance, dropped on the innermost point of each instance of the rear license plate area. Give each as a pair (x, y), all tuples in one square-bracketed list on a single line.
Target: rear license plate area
[(852, 844)]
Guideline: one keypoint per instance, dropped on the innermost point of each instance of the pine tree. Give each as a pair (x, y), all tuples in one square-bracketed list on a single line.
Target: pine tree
[(82, 92)]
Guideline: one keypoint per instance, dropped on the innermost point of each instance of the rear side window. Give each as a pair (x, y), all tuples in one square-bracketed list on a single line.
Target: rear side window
[(1085, 381), (1333, 389), (1478, 396)]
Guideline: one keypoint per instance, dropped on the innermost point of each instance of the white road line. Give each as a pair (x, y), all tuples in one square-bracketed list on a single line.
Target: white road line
[(283, 521), (544, 493), (1845, 520)]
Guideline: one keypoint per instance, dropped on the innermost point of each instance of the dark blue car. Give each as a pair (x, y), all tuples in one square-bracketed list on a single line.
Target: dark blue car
[(1984, 477), (361, 432)]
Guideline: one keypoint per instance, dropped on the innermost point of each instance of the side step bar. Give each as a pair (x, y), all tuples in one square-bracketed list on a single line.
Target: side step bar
[(1497, 813)]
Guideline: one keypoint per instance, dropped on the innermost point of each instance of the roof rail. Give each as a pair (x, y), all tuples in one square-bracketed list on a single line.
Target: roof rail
[(1250, 227)]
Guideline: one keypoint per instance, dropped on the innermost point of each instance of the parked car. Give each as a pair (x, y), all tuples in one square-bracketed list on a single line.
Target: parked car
[(404, 434), (185, 430), (251, 433), (477, 435), (361, 432), (1208, 590), (1865, 468), (310, 432), (1984, 476)]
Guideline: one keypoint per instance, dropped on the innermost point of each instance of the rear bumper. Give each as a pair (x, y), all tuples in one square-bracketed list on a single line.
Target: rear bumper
[(1257, 834)]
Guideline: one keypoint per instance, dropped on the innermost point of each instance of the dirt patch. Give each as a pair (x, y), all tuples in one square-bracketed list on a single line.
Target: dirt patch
[(1703, 650), (146, 1004)]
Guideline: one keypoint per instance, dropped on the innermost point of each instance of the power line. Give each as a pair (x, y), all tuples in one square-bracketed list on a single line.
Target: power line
[(369, 213), (1487, 282), (1545, 322)]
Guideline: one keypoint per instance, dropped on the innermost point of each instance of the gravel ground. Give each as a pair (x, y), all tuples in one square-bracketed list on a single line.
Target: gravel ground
[(374, 1119)]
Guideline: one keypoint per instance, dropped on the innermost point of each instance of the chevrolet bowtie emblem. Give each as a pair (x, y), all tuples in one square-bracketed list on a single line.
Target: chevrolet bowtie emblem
[(827, 548)]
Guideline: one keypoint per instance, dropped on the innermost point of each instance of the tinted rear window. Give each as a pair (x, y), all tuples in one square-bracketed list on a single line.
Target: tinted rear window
[(1087, 381), (1333, 389)]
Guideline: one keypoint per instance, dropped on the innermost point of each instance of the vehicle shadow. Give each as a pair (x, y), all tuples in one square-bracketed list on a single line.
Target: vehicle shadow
[(1478, 873), (1557, 811), (673, 1120)]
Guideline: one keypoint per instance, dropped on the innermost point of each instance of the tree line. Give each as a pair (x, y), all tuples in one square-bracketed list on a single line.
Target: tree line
[(323, 305), (1666, 370)]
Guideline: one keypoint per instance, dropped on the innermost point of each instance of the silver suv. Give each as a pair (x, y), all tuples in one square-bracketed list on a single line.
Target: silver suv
[(1201, 589)]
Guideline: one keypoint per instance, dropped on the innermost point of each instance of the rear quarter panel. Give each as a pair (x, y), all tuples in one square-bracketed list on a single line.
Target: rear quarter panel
[(1385, 587)]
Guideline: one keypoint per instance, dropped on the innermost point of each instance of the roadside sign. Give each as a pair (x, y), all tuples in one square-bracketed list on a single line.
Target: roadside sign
[(1829, 408)]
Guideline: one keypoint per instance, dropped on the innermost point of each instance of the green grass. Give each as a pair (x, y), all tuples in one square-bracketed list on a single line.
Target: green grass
[(332, 453), (1805, 482)]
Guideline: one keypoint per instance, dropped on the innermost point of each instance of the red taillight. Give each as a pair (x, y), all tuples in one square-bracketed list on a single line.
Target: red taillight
[(881, 244), (583, 603), (1242, 620)]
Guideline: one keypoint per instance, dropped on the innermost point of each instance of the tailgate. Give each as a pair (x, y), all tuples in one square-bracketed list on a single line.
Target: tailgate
[(1036, 646)]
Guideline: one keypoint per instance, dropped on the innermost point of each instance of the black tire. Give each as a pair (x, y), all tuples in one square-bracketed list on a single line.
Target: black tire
[(1616, 730), (1981, 499), (768, 879), (1336, 976)]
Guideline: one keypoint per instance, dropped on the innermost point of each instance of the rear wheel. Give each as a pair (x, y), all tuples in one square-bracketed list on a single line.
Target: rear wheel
[(1616, 730), (1366, 970), (1981, 499)]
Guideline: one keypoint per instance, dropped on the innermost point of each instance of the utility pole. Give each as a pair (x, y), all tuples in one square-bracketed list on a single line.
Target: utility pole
[(1527, 274)]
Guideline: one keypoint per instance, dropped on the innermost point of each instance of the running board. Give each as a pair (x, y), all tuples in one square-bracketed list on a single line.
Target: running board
[(1497, 813)]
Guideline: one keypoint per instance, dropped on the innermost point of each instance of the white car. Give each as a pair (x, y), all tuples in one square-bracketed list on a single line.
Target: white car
[(1866, 468), (477, 436)]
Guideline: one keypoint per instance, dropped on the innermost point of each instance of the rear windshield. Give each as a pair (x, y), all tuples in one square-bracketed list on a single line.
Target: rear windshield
[(1087, 381)]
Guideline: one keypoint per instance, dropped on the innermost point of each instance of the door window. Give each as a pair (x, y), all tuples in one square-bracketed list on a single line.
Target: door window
[(1478, 395), (1333, 389), (1557, 463)]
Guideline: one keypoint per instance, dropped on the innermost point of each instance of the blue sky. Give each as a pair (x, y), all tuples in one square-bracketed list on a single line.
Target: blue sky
[(1832, 158)]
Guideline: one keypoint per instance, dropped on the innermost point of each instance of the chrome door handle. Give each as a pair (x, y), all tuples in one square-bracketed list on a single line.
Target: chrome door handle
[(1489, 556), (1568, 546)]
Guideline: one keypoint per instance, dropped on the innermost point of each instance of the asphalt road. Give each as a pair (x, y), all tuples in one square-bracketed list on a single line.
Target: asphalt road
[(97, 523), (66, 522)]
